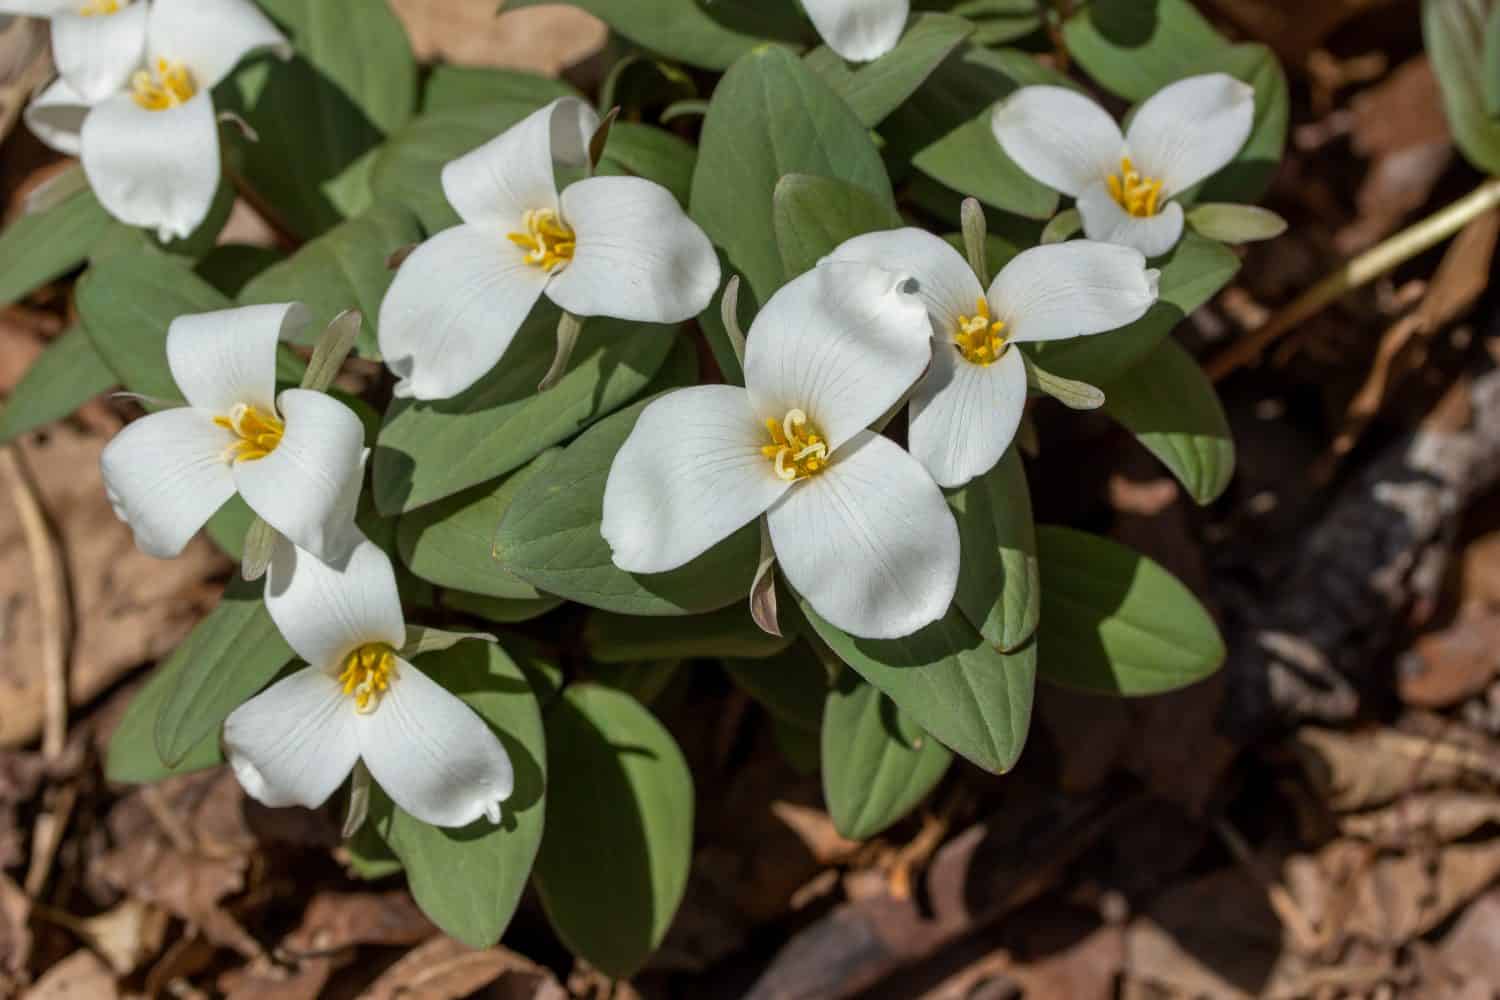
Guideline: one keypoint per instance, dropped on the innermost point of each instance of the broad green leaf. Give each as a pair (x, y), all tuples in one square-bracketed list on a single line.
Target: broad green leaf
[(877, 765), (1249, 174), (1114, 622), (792, 685), (132, 756), (229, 267), (1170, 406), (813, 215), (1191, 274), (1492, 64), (460, 86), (706, 35), (501, 610), (644, 681), (448, 543), (36, 248), (619, 828), (615, 638), (430, 450), (1455, 34), (771, 116), (999, 591), (951, 681), (67, 374), (470, 880), (345, 268), (655, 154), (1133, 48), (227, 657), (228, 525), (370, 858), (999, 21), (550, 538), (875, 89), (1228, 222)]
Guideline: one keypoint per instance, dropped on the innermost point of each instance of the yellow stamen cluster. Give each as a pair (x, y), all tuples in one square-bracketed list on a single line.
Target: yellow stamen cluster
[(979, 338), (165, 86), (1140, 196), (548, 241), (97, 7), (367, 674), (259, 432), (796, 449)]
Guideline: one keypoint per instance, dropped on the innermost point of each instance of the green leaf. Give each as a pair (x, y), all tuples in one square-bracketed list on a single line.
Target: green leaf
[(470, 880), (132, 756), (1114, 622), (615, 638), (430, 450), (68, 374), (645, 151), (771, 116), (877, 765), (228, 656), (370, 858), (952, 683), (1492, 64), (1232, 223), (1191, 274), (345, 268), (449, 542), (813, 215), (229, 267), (501, 610), (999, 21), (875, 89), (1455, 32), (1133, 48), (711, 322), (619, 828), (706, 35), (792, 685), (999, 590), (460, 86), (44, 245), (228, 525), (1249, 174), (1168, 403), (644, 681), (550, 538)]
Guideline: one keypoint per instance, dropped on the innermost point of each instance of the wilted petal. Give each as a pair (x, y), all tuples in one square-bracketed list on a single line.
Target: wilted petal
[(690, 474), (947, 284), (859, 30), (210, 37), (56, 116), (964, 416), (295, 742), (326, 610), (97, 53), (432, 754), (1191, 129), (1072, 289), (1058, 136), (166, 474), (223, 358), (1105, 221), (638, 257)]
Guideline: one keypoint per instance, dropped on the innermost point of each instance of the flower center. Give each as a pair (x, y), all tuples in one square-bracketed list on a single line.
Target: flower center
[(1140, 196), (548, 241), (367, 674), (165, 86), (978, 337), (797, 450), (259, 432), (95, 7)]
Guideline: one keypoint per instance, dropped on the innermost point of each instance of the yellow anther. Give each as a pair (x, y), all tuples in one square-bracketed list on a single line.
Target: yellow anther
[(979, 338), (166, 85), (96, 7), (367, 674), (1140, 196), (548, 241), (796, 450), (258, 432)]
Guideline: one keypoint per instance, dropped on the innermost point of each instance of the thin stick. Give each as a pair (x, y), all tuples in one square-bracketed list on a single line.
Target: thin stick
[(1360, 271)]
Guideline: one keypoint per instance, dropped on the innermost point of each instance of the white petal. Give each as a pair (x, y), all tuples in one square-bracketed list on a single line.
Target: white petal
[(300, 489), (38, 8), (210, 37), (97, 53), (1058, 136), (1104, 220), (166, 474), (295, 742), (1072, 289), (859, 30), (433, 755), (947, 284), (326, 610), (638, 257), (870, 542), (964, 416), (690, 474), (453, 309), (499, 182), (157, 169), (56, 116), (1191, 129), (842, 343), (227, 357)]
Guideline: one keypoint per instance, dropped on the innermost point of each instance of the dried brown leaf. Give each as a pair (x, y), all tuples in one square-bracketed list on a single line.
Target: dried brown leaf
[(1369, 768), (80, 975), (444, 969), (1439, 817)]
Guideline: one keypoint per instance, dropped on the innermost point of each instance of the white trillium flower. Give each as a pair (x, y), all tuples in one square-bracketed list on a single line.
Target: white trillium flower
[(295, 458), (859, 30), (966, 410), (96, 44), (296, 742), (605, 246), (1125, 184), (859, 528)]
